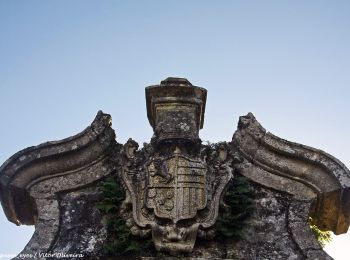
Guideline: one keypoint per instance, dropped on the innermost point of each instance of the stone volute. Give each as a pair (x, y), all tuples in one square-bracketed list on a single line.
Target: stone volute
[(175, 188)]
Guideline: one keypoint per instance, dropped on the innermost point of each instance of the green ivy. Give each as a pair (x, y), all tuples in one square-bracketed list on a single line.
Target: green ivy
[(239, 200), (120, 241), (323, 237)]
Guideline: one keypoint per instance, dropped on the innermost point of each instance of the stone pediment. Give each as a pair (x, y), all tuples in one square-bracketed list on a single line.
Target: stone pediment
[(175, 186)]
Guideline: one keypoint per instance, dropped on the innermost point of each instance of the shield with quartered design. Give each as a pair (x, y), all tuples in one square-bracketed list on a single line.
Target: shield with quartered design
[(176, 187)]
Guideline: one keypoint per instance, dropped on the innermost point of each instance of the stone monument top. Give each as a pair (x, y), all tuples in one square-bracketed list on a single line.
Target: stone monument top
[(179, 194)]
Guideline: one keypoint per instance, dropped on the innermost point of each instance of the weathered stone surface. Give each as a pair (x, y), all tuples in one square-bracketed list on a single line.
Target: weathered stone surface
[(82, 224), (174, 187), (298, 169), (267, 236), (32, 181), (175, 109)]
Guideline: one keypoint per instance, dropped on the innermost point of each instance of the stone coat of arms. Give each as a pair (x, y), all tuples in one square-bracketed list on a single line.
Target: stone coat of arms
[(174, 186)]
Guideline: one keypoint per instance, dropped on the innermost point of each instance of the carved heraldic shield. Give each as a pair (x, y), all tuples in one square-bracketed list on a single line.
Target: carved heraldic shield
[(180, 195)]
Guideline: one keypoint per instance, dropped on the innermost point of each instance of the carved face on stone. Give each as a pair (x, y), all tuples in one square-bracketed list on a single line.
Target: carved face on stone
[(174, 239)]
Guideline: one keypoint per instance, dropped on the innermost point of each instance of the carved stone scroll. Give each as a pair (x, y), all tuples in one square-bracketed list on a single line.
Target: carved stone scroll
[(302, 171), (32, 180)]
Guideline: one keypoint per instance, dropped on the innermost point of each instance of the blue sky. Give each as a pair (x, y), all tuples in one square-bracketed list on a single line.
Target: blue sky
[(288, 62)]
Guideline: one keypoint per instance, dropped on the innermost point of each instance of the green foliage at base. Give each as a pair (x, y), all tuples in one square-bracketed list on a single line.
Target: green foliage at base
[(323, 237), (120, 241), (239, 200), (113, 196)]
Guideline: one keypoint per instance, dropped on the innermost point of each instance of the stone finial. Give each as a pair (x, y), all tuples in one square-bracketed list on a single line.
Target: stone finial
[(175, 109), (172, 81)]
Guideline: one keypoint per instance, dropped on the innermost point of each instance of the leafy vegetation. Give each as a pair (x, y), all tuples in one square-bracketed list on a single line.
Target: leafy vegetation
[(323, 237), (239, 200), (120, 241)]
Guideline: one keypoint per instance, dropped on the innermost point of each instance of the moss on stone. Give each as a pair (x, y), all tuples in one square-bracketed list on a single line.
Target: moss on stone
[(237, 207), (120, 241)]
